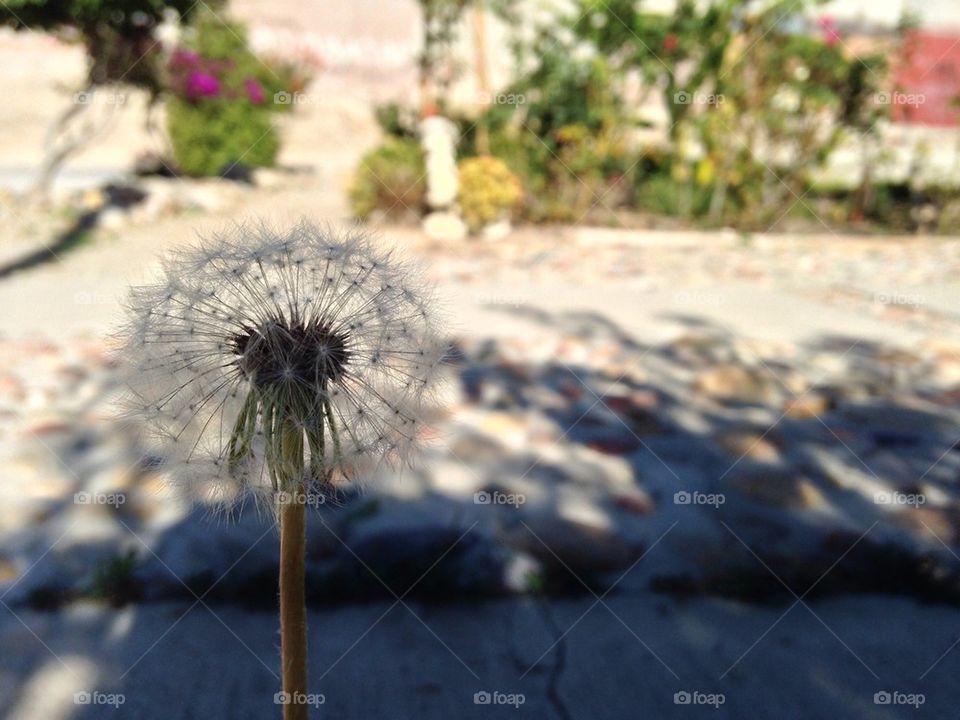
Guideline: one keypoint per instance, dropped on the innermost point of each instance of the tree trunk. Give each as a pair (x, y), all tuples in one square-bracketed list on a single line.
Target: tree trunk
[(483, 79), (61, 143)]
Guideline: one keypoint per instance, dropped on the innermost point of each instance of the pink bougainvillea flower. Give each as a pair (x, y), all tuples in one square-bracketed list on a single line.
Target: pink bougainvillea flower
[(254, 91), (202, 84), (184, 58), (828, 28)]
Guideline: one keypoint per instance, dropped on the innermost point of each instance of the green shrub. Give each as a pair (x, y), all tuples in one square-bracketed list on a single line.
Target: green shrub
[(222, 101), (390, 178), (209, 138), (662, 194), (949, 220), (489, 191), (565, 136)]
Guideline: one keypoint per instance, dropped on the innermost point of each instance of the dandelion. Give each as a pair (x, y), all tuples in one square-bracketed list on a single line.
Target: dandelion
[(275, 366)]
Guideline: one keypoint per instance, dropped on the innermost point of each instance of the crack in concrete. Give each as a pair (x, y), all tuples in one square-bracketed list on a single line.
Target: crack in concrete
[(560, 662)]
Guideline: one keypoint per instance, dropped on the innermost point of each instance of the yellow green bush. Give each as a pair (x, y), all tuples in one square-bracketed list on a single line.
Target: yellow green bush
[(489, 191)]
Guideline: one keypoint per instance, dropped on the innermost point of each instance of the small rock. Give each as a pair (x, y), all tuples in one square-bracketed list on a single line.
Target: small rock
[(444, 226), (152, 164), (736, 383), (471, 447), (113, 218), (809, 406), (636, 503), (510, 429), (497, 231), (612, 441), (638, 410), (521, 573), (930, 524), (8, 570), (699, 350), (45, 428), (93, 199), (161, 201), (946, 368), (748, 443), (268, 178), (11, 387), (209, 195), (782, 488)]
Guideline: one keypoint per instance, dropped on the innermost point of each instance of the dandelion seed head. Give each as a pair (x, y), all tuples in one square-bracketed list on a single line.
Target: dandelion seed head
[(257, 332)]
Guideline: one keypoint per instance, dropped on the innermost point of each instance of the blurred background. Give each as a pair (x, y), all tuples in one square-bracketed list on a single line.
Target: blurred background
[(699, 454)]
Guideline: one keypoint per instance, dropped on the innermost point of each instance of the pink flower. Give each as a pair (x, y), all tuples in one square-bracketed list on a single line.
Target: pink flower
[(202, 84), (828, 28), (184, 58), (254, 91)]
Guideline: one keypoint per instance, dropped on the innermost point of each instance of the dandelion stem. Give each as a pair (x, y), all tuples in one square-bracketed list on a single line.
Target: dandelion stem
[(293, 546)]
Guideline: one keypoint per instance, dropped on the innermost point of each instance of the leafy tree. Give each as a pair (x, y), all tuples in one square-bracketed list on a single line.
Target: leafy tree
[(119, 39)]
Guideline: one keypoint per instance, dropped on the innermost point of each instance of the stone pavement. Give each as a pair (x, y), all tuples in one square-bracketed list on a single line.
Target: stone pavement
[(627, 656), (711, 430)]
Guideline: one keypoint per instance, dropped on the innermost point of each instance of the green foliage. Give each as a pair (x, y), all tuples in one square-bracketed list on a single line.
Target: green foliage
[(566, 137), (397, 120), (734, 79), (117, 34), (113, 580), (948, 222), (661, 194), (227, 118), (489, 191), (389, 178), (758, 97), (211, 137)]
